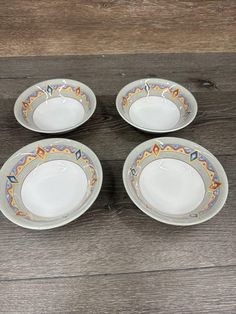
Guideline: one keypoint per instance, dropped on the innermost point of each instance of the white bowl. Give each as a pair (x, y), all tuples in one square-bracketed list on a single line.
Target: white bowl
[(49, 183), (55, 106), (175, 181), (156, 106)]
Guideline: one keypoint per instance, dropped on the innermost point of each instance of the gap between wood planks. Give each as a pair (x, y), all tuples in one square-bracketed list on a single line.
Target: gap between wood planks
[(123, 273)]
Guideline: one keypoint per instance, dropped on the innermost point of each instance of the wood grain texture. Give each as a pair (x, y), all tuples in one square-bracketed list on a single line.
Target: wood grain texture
[(212, 78), (112, 138), (99, 26), (107, 74), (114, 236), (173, 292), (114, 258)]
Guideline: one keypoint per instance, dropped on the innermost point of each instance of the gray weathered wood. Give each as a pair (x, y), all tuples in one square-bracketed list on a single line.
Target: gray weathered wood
[(120, 260), (112, 138), (114, 236), (107, 74), (173, 292)]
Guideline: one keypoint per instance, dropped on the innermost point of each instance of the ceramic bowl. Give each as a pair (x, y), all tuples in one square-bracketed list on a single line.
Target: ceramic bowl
[(156, 106), (175, 181), (49, 183), (55, 106)]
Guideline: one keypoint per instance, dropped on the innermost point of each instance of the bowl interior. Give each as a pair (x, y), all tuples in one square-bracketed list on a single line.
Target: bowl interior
[(156, 105), (49, 183), (175, 181), (55, 106)]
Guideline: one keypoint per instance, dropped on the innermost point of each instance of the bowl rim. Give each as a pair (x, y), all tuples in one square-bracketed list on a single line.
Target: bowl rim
[(25, 125), (61, 221), (159, 80), (135, 200)]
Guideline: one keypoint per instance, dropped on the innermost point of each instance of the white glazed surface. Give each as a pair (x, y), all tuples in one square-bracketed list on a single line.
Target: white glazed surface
[(156, 120), (54, 188), (161, 194), (154, 112), (58, 113), (172, 186), (56, 116), (55, 191)]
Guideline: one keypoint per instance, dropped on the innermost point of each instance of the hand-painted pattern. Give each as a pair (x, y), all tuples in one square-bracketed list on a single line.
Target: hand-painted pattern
[(194, 156), (49, 91), (41, 154), (175, 93)]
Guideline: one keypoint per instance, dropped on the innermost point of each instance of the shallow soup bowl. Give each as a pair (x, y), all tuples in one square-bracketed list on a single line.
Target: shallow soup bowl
[(49, 183), (55, 106), (156, 105), (175, 181)]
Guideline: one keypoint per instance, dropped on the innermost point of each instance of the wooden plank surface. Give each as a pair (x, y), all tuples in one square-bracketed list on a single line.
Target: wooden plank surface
[(114, 236), (217, 111), (107, 74), (114, 258), (173, 292), (62, 27)]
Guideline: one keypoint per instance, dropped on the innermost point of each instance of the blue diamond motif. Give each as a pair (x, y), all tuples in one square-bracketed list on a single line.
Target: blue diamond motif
[(147, 87), (78, 154), (49, 90), (193, 156), (176, 146), (187, 149), (133, 171), (12, 179)]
